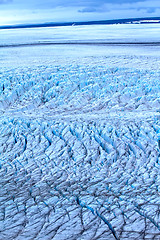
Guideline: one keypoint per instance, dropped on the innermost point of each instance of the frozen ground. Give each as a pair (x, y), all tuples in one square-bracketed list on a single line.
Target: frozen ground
[(121, 33), (80, 137)]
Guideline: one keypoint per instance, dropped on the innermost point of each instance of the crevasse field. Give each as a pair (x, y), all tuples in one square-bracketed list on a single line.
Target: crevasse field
[(80, 133)]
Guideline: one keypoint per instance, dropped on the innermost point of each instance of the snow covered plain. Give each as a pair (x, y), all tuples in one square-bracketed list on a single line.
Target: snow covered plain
[(79, 135)]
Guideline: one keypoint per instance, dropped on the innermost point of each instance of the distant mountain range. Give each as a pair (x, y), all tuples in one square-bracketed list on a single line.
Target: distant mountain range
[(105, 22)]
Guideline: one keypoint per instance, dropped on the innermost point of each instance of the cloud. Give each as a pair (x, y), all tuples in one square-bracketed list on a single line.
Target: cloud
[(147, 9), (5, 1), (18, 11), (151, 10), (86, 4), (92, 10), (122, 6), (88, 9)]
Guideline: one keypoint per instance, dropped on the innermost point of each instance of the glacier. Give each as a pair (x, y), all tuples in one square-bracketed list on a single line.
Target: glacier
[(80, 133)]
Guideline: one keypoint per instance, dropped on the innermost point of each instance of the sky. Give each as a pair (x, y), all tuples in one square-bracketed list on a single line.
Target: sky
[(40, 11)]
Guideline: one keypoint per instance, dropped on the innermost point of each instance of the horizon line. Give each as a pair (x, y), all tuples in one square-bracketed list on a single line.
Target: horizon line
[(78, 23), (81, 43)]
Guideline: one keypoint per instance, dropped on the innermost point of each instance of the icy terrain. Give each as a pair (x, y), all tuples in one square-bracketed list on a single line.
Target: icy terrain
[(120, 33), (80, 137)]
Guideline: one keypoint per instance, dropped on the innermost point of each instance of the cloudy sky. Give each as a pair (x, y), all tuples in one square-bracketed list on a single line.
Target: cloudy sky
[(39, 11)]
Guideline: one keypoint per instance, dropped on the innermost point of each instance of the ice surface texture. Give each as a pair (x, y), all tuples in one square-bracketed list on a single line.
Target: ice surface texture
[(80, 146), (79, 89), (86, 179), (79, 181)]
